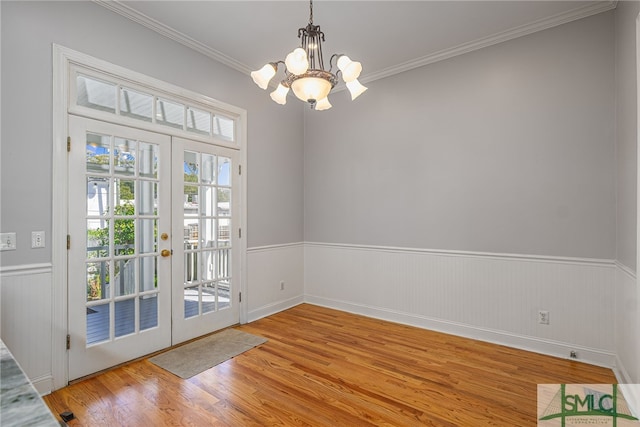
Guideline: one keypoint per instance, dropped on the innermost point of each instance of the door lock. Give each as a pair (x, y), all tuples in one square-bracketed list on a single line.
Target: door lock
[(164, 236)]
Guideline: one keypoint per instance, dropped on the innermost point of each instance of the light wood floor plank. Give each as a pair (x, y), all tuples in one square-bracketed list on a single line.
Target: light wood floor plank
[(324, 367)]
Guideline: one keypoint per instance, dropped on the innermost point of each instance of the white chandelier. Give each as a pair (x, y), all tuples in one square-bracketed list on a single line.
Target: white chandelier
[(305, 73)]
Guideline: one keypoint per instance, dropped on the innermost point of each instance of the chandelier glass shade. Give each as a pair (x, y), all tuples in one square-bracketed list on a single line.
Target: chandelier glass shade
[(305, 73)]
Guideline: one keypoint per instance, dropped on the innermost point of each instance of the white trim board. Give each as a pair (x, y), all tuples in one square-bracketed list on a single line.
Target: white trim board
[(15, 270), (175, 35), (542, 24), (274, 247), (274, 308), (548, 347), (490, 297), (513, 33), (63, 59), (470, 254), (275, 278)]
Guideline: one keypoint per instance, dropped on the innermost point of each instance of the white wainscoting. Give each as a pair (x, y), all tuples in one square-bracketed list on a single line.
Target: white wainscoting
[(267, 267), (627, 326), (25, 320), (491, 297)]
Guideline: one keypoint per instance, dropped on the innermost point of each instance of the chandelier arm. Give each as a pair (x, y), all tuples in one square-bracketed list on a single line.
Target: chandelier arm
[(335, 55), (321, 60)]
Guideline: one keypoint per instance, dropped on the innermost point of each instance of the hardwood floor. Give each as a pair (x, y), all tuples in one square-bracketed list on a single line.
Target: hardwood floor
[(323, 367)]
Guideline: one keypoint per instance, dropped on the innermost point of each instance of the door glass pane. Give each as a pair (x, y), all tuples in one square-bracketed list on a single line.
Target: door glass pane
[(124, 156), (148, 198), (97, 196), (125, 194), (208, 265), (124, 236), (224, 263), (224, 294), (208, 169), (207, 233), (191, 166), (148, 273), (191, 302), (98, 319), (170, 113), (208, 297), (224, 232), (148, 236), (136, 104), (224, 202), (97, 280), (124, 279), (224, 171), (98, 153), (148, 311), (190, 265), (148, 160), (96, 94), (125, 317), (191, 199), (97, 238), (208, 201)]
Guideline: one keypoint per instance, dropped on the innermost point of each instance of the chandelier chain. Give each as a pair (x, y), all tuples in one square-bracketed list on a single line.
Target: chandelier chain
[(310, 11)]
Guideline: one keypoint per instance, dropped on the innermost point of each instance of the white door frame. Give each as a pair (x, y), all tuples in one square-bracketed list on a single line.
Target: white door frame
[(63, 58)]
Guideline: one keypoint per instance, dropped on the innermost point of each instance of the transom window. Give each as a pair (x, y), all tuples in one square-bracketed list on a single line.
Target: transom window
[(97, 91)]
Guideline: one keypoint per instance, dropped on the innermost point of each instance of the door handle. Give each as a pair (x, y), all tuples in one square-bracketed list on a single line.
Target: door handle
[(165, 253)]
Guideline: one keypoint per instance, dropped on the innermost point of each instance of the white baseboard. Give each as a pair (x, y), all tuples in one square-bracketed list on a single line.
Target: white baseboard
[(630, 390), (631, 393), (537, 345), (43, 385), (274, 308)]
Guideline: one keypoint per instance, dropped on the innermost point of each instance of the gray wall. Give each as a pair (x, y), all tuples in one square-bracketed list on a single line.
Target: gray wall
[(275, 152), (509, 149), (626, 131)]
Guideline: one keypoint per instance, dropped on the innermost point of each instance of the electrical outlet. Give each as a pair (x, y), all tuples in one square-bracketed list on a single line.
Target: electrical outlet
[(543, 317), (7, 241), (37, 239), (282, 285)]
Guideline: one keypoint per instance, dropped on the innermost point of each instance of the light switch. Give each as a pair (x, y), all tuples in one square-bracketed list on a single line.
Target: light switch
[(7, 241)]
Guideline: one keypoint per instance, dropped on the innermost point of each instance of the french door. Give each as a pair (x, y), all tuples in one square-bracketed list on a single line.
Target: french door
[(204, 269), (151, 248)]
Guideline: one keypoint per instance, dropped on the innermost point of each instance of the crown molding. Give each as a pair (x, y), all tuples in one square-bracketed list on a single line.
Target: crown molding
[(165, 30), (542, 24)]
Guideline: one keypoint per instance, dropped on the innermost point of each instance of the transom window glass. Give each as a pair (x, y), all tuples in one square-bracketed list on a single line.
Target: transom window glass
[(103, 95)]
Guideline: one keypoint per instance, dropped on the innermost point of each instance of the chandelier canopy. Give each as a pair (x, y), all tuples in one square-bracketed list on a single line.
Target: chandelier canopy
[(305, 73)]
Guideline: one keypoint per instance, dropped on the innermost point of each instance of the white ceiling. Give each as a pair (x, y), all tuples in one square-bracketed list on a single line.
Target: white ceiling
[(386, 36)]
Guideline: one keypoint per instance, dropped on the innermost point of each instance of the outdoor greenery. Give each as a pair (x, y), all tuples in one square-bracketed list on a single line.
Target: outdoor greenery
[(124, 238)]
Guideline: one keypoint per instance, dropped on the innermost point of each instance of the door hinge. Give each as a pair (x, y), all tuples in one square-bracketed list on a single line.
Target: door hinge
[(239, 233), (239, 169), (68, 342), (240, 296), (68, 241), (68, 144)]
